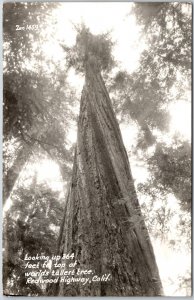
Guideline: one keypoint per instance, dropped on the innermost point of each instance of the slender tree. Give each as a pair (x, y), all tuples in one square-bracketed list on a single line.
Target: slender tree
[(31, 103), (26, 231), (103, 225), (30, 122)]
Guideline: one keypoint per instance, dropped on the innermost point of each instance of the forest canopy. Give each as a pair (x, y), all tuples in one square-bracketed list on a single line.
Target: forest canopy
[(143, 51)]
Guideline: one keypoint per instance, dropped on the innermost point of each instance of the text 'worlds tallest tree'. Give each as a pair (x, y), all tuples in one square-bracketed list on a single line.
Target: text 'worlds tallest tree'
[(103, 225)]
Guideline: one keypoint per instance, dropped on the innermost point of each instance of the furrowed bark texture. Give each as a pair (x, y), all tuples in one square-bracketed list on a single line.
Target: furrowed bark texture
[(103, 224)]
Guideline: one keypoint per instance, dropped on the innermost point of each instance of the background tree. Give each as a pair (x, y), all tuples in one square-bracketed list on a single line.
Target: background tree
[(32, 100), (26, 232), (168, 29), (163, 77)]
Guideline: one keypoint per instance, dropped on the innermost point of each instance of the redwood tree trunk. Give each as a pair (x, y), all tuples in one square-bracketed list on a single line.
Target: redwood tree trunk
[(103, 224), (12, 174)]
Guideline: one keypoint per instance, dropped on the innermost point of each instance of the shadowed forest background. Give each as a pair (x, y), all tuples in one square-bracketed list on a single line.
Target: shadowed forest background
[(144, 51)]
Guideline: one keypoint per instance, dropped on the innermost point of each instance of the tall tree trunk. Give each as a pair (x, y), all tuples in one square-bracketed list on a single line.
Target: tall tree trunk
[(103, 224), (12, 174)]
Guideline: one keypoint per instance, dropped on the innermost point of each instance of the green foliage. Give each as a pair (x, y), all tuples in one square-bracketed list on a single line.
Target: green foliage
[(168, 28), (37, 99), (165, 219), (95, 49), (141, 99), (31, 226), (185, 283), (31, 103), (158, 214), (162, 77), (21, 46), (33, 97), (164, 66), (171, 169)]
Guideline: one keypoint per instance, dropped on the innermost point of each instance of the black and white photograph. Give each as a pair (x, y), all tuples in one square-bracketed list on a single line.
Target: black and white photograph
[(97, 114)]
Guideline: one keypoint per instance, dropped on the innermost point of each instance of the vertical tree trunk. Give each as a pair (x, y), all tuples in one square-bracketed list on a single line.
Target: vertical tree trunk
[(103, 224), (12, 174), (10, 177)]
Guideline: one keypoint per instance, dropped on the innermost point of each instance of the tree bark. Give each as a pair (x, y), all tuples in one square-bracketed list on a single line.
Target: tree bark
[(103, 225)]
